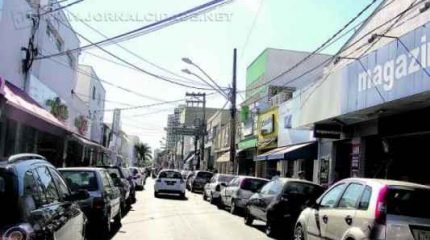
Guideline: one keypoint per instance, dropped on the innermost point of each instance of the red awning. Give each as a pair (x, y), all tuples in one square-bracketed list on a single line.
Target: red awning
[(20, 100)]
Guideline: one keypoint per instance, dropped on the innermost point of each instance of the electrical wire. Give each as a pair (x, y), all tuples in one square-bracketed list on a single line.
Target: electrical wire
[(253, 24), (131, 53), (186, 14)]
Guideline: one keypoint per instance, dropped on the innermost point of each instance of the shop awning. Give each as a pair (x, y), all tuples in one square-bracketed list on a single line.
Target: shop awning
[(18, 99), (225, 157), (248, 143), (292, 152), (87, 142)]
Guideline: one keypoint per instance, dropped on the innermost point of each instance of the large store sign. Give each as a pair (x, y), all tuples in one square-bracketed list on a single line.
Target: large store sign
[(268, 129), (394, 71)]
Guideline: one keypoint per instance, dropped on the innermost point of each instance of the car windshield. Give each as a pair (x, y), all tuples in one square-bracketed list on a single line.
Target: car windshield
[(252, 185), (81, 180), (204, 175), (411, 202), (8, 199), (170, 174), (225, 178)]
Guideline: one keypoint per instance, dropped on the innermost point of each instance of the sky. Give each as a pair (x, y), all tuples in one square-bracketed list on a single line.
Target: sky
[(208, 40)]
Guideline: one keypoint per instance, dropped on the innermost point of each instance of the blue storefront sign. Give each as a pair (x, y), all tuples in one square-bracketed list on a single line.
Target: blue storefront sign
[(394, 71)]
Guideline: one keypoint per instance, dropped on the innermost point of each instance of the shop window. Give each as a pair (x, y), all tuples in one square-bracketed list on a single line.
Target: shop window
[(10, 137)]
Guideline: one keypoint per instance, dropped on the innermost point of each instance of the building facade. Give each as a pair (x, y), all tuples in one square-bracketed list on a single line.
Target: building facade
[(370, 110)]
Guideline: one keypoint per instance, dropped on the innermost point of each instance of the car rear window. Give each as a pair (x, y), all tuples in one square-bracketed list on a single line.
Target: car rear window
[(225, 178), (8, 199), (205, 175), (114, 171), (304, 189), (85, 180), (252, 185), (411, 202), (170, 174)]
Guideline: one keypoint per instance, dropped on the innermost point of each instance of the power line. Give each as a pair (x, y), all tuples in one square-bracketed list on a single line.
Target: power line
[(253, 24), (131, 64), (322, 46), (130, 52), (189, 13)]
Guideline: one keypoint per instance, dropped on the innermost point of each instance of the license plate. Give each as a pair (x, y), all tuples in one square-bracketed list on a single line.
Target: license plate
[(422, 235), (170, 183)]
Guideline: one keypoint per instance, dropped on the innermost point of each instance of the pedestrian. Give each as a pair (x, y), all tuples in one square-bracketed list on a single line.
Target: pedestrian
[(301, 175), (277, 175)]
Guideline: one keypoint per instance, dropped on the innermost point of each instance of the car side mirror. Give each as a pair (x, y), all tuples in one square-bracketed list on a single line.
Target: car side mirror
[(78, 196)]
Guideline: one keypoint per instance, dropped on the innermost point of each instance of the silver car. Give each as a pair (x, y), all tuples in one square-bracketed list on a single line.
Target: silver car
[(237, 192), (368, 209), (213, 188)]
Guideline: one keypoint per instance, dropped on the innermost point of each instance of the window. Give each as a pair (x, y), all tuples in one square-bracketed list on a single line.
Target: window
[(32, 194), (276, 187), (329, 200), (63, 190), (411, 202), (265, 189), (94, 93), (304, 189), (81, 180), (170, 174), (365, 199), (45, 180), (253, 185), (106, 182), (351, 196), (71, 60)]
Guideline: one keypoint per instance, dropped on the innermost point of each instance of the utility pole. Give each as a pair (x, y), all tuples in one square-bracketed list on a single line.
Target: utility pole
[(233, 111)]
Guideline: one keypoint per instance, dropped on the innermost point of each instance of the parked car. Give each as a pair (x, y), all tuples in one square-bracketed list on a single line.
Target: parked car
[(170, 182), (198, 180), (104, 204), (279, 204), (129, 177), (137, 177), (120, 180), (368, 209), (34, 197), (236, 193), (185, 174), (188, 179), (212, 189)]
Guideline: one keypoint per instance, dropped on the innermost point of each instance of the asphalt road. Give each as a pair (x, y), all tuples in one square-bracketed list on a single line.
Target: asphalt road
[(175, 219)]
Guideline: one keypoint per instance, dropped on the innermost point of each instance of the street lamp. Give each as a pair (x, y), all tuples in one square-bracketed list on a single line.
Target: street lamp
[(216, 87)]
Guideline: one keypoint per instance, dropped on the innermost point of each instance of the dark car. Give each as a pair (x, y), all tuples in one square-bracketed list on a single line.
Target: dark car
[(119, 178), (104, 204), (280, 202), (35, 202), (198, 180)]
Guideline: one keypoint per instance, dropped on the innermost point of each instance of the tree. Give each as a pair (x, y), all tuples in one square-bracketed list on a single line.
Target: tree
[(143, 152)]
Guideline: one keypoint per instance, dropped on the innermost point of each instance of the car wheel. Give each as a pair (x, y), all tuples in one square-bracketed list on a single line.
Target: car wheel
[(270, 229), (182, 195), (219, 202), (299, 233), (211, 199), (233, 208), (248, 218), (156, 195), (117, 218), (106, 228), (123, 206), (204, 196)]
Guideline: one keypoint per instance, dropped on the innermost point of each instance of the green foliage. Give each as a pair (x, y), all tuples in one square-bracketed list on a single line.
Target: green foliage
[(81, 123), (58, 109), (144, 156)]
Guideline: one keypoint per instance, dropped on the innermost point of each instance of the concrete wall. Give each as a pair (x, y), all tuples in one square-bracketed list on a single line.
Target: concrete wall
[(87, 81)]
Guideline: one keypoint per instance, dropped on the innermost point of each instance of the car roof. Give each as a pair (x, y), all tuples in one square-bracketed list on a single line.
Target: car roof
[(251, 177), (170, 170), (388, 182), (285, 180), (24, 163), (80, 169)]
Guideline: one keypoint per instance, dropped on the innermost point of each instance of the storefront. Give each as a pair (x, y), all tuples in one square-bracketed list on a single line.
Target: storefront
[(381, 127), (267, 140), (246, 154)]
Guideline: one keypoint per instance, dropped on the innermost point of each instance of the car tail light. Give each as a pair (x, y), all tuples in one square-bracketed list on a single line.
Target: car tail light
[(98, 203), (381, 206)]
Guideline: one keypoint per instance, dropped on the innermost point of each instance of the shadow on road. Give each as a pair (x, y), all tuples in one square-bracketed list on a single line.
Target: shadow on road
[(172, 197), (93, 234)]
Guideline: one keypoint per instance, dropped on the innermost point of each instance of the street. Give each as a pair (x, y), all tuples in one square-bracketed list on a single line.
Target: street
[(171, 218)]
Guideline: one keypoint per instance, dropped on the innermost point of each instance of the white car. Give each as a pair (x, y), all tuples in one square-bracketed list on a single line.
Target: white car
[(213, 188), (169, 182)]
